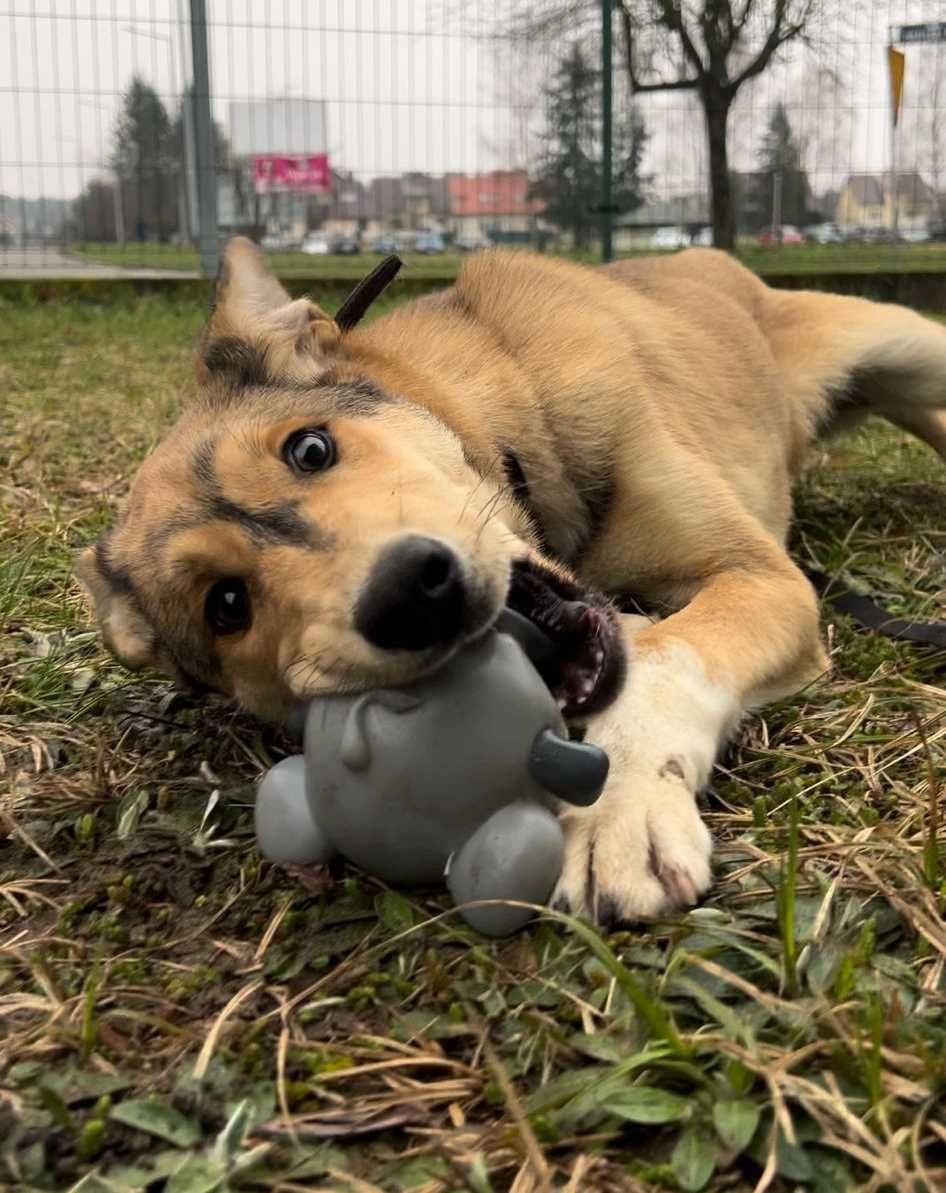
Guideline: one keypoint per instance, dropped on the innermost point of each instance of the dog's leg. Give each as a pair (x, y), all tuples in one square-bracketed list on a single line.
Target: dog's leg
[(746, 636)]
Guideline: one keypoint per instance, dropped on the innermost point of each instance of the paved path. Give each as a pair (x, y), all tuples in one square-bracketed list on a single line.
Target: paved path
[(49, 261)]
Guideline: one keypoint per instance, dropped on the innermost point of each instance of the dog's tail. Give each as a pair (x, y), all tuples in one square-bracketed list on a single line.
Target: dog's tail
[(843, 358)]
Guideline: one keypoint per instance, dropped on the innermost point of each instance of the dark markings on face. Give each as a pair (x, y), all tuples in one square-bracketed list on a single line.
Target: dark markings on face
[(349, 398), (173, 633), (180, 635), (240, 370), (236, 362), (276, 523)]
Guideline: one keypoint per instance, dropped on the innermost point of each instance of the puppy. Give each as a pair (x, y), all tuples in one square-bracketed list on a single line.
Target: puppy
[(340, 511)]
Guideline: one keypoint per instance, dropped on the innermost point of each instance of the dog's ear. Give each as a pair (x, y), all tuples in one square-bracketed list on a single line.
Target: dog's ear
[(256, 332), (125, 630)]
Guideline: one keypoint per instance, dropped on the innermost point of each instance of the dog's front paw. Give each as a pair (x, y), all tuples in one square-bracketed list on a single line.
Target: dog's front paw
[(640, 852)]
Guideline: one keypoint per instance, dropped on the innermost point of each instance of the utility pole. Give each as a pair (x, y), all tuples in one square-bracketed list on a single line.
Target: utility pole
[(204, 142), (777, 206), (187, 118), (607, 114)]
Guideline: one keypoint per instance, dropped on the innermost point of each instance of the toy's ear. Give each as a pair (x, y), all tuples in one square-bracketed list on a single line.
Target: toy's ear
[(256, 332), (572, 770), (125, 630)]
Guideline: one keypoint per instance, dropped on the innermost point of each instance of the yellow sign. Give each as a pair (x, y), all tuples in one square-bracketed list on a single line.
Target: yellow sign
[(896, 60)]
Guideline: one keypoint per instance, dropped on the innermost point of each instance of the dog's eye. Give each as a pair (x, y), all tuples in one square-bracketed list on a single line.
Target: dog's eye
[(309, 451), (227, 607)]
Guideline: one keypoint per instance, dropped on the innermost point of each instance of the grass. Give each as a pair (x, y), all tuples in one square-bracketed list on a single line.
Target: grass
[(807, 258), (161, 256), (173, 1010)]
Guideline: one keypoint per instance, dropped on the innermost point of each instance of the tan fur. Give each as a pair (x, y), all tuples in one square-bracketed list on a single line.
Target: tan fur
[(659, 410)]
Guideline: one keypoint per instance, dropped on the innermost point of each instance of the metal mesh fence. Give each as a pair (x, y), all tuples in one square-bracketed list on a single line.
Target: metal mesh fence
[(342, 128)]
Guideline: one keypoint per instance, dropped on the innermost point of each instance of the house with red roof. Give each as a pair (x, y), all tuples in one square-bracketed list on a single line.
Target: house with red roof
[(494, 205)]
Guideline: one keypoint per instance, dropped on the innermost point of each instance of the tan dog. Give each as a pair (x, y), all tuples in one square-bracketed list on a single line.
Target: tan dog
[(340, 511)]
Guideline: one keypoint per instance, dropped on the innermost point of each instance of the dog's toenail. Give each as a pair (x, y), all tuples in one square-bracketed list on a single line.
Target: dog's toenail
[(678, 885)]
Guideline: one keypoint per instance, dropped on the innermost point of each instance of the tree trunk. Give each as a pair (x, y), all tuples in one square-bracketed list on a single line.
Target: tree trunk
[(716, 109)]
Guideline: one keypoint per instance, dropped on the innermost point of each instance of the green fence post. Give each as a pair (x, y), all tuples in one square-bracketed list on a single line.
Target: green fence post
[(204, 142)]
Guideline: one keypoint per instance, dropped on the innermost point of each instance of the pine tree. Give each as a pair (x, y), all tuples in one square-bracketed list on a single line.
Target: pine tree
[(780, 155), (568, 173), (145, 160)]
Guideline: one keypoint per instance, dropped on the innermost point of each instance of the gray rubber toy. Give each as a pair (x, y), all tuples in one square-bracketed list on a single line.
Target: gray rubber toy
[(451, 776)]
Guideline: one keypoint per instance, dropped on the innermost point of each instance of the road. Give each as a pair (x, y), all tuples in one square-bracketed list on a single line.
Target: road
[(49, 261)]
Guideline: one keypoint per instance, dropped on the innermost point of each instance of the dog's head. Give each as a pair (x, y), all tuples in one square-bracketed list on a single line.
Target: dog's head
[(300, 530)]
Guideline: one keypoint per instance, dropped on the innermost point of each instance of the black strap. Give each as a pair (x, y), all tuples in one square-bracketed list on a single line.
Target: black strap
[(872, 616), (353, 308)]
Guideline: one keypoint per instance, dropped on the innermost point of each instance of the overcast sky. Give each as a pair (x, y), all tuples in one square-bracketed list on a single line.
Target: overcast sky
[(419, 84)]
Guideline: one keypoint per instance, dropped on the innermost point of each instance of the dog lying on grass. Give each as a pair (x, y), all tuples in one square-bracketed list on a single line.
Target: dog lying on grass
[(343, 510)]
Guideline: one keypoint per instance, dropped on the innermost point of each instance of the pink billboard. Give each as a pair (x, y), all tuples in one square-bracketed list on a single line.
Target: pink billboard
[(291, 172)]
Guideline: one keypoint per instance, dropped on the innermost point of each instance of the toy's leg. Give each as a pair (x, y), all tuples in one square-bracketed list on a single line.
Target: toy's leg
[(516, 854), (286, 830)]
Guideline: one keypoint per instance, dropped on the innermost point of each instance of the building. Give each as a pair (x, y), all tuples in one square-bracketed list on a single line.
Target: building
[(495, 205), (413, 202), (865, 201), (633, 229)]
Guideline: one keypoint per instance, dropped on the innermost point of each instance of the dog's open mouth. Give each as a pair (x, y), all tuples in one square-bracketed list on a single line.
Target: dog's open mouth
[(590, 663)]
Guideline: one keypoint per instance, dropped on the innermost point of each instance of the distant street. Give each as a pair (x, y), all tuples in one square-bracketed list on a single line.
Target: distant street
[(49, 261)]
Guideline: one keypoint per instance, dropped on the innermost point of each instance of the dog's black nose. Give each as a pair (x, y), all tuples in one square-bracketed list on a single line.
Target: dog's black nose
[(415, 597)]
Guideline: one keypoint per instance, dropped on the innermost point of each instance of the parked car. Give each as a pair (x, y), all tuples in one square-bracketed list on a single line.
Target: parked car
[(472, 243), (670, 238), (429, 243), (703, 238), (774, 236), (853, 234), (277, 242), (316, 244), (937, 229), (873, 234), (384, 245), (346, 246), (915, 235), (823, 234)]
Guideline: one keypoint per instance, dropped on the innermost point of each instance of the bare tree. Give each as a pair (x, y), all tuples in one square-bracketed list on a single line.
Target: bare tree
[(710, 47), (713, 38)]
